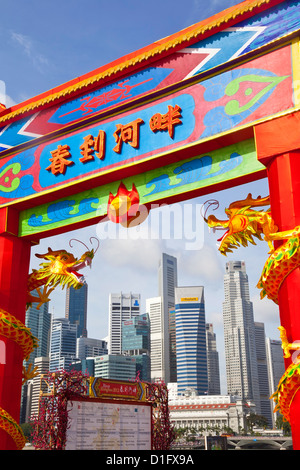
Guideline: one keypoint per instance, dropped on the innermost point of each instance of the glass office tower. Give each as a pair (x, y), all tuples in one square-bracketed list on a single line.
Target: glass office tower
[(136, 342), (76, 308), (191, 340), (39, 322), (62, 345)]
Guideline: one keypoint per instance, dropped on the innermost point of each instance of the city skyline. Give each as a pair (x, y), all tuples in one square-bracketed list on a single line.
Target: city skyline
[(131, 265)]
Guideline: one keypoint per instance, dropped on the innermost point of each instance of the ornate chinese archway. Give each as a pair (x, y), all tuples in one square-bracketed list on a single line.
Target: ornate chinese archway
[(199, 111)]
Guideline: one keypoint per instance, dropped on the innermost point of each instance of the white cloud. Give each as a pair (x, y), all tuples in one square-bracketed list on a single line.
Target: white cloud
[(38, 60), (4, 98), (133, 254), (23, 41), (204, 265)]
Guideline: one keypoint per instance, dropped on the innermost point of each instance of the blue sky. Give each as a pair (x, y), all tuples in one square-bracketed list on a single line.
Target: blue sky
[(45, 44)]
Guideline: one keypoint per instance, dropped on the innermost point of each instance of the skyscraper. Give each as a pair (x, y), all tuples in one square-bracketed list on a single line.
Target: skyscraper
[(167, 281), (262, 367), (42, 364), (115, 367), (136, 343), (76, 308), (121, 307), (159, 363), (62, 344), (213, 370), (39, 322), (276, 369), (191, 352), (90, 347), (239, 335)]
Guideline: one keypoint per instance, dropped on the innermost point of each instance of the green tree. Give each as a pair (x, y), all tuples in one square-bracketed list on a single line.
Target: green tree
[(27, 429), (256, 420), (284, 425)]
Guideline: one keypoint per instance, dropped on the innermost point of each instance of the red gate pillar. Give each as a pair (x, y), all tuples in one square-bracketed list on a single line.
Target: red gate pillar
[(14, 269), (278, 148)]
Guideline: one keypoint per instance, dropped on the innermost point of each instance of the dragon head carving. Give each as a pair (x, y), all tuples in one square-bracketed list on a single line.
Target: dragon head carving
[(61, 267), (242, 224)]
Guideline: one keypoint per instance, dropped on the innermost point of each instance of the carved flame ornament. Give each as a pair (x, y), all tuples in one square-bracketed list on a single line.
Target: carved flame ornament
[(124, 208)]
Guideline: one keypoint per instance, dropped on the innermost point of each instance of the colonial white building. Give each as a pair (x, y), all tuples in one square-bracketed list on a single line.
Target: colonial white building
[(209, 413)]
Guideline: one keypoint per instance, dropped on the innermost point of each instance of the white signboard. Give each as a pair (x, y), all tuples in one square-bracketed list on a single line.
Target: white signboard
[(103, 425)]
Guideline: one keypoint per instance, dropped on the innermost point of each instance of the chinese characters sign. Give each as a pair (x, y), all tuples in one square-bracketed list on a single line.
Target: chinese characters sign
[(122, 140), (103, 388), (147, 134), (124, 133)]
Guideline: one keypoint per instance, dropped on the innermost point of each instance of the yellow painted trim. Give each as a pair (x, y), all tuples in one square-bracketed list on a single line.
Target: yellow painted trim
[(158, 47)]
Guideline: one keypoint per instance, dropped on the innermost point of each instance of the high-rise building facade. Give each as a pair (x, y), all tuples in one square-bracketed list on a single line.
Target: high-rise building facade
[(116, 367), (86, 366), (39, 322), (42, 364), (167, 281), (90, 347), (76, 308), (136, 343), (159, 363), (62, 344), (191, 352), (276, 369), (239, 335), (121, 307), (262, 367), (213, 369)]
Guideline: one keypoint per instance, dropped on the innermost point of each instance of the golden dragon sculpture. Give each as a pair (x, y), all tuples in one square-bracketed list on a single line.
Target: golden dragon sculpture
[(60, 268), (245, 224)]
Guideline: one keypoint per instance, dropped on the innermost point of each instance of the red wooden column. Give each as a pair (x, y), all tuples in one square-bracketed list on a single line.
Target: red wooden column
[(14, 269), (278, 148)]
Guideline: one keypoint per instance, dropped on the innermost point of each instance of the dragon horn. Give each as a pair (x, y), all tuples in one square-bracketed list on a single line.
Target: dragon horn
[(43, 256), (79, 241), (210, 202), (249, 201), (97, 241)]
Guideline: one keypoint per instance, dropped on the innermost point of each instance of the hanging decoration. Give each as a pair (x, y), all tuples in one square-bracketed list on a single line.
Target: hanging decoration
[(243, 224), (124, 208)]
